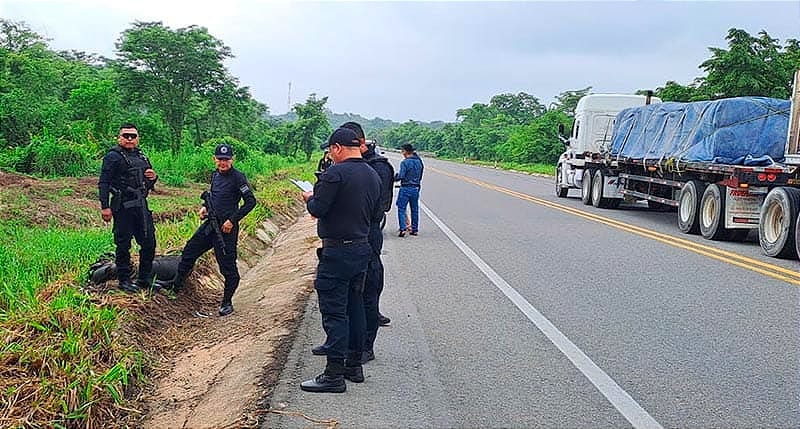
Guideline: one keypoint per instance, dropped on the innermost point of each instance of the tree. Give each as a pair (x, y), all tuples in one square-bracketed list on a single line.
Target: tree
[(164, 68), (567, 101), (311, 127), (17, 36), (751, 66), (673, 91), (521, 108)]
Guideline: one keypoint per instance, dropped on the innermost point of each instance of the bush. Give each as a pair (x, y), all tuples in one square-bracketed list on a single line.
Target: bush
[(50, 156)]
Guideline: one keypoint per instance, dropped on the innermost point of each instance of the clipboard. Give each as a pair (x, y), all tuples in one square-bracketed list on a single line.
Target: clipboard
[(304, 185)]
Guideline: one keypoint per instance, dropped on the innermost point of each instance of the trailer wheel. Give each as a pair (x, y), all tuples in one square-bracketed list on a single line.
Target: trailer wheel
[(586, 186), (797, 235), (689, 206), (561, 190), (598, 185), (712, 213), (777, 226)]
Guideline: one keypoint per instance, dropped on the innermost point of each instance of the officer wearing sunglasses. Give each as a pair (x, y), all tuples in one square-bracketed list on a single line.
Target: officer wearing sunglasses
[(128, 177)]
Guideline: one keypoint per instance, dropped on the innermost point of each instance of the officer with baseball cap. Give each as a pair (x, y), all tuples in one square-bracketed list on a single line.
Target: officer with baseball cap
[(344, 200), (220, 231)]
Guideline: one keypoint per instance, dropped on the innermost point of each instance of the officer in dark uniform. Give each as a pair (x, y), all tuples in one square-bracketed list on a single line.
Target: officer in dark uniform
[(343, 201), (128, 177), (220, 230), (374, 282)]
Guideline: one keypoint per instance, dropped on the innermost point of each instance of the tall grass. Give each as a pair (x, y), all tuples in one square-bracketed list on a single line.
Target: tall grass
[(197, 165), (61, 347), (32, 257)]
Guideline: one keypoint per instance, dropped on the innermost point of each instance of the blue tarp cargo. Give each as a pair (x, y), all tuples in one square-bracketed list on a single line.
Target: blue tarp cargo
[(740, 131)]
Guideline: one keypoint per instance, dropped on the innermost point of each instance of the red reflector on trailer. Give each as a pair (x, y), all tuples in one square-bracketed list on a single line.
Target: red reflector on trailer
[(762, 177), (771, 177)]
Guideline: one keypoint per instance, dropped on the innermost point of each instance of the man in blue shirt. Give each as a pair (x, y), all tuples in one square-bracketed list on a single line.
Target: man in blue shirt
[(410, 177)]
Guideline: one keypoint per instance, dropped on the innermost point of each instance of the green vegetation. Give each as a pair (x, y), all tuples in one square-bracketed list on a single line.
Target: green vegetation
[(66, 356)]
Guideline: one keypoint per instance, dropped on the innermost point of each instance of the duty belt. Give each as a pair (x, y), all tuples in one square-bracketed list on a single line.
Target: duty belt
[(332, 242)]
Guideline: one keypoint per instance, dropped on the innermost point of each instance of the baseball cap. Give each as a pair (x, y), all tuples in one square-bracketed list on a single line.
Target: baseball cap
[(223, 151), (342, 136)]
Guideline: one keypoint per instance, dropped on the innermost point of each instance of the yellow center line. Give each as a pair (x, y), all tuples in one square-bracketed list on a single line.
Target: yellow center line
[(767, 269)]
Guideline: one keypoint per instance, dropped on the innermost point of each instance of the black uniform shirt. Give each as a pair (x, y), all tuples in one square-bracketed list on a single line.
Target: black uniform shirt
[(114, 172), (385, 172), (344, 200), (227, 189)]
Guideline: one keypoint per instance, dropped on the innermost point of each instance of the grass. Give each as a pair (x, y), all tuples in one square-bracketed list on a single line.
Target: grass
[(64, 360), (546, 169)]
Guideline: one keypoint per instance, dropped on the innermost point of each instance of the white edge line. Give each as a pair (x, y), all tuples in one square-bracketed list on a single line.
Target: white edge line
[(618, 397)]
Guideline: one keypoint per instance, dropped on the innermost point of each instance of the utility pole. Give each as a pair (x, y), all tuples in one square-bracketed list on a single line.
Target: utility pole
[(289, 100)]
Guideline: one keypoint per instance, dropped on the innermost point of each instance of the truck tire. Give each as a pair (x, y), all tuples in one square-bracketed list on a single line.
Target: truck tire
[(689, 207), (586, 186), (777, 225), (797, 236), (561, 190), (598, 185), (712, 213)]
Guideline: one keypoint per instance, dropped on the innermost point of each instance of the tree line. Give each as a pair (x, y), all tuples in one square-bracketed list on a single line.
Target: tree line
[(60, 110), (519, 128)]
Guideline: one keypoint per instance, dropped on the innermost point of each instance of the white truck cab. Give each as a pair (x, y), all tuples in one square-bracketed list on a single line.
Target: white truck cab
[(591, 134)]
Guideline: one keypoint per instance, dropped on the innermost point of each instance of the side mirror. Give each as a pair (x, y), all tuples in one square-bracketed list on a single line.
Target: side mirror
[(561, 136)]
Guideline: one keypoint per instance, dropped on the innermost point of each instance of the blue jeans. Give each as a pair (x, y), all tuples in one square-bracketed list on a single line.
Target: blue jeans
[(408, 195)]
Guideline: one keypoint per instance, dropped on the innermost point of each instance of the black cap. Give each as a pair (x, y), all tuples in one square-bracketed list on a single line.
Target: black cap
[(342, 136), (223, 151)]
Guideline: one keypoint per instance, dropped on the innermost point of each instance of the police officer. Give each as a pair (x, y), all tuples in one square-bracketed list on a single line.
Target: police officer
[(128, 177), (343, 201), (220, 230), (374, 282)]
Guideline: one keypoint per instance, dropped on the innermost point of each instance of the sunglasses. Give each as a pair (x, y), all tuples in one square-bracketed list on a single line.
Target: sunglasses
[(129, 136)]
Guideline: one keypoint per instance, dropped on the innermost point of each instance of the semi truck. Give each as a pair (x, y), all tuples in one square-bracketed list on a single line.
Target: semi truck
[(726, 166)]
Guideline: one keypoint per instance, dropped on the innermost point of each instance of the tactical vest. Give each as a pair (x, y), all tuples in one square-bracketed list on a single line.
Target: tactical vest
[(134, 185)]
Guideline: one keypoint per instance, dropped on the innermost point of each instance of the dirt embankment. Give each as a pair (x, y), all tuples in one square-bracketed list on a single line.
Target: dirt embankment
[(219, 370)]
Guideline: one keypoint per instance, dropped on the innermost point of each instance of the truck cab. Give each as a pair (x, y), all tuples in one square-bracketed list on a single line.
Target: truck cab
[(591, 135)]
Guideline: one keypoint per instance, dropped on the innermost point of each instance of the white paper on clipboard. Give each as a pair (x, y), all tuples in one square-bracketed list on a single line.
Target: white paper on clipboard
[(304, 185)]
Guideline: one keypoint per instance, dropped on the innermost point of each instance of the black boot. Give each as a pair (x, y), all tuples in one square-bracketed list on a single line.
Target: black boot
[(353, 371), (367, 356), (177, 284), (226, 308), (330, 381), (320, 350), (127, 286), (144, 284), (383, 320)]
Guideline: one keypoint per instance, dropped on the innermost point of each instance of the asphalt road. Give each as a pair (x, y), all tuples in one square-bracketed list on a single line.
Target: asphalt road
[(514, 308)]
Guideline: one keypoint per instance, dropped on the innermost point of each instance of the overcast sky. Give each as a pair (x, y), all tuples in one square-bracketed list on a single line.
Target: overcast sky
[(425, 60)]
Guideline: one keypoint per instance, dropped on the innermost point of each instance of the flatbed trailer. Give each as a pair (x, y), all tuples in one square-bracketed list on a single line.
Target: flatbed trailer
[(718, 201)]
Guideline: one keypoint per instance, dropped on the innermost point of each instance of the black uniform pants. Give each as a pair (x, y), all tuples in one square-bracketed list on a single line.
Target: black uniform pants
[(128, 224), (373, 286), (340, 287), (203, 240)]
